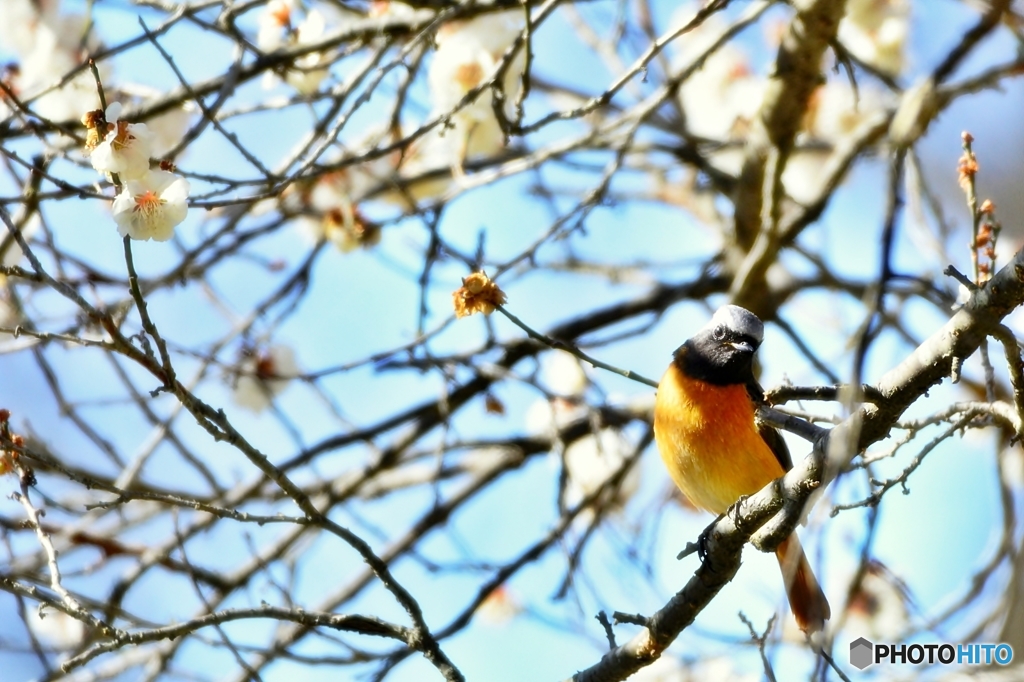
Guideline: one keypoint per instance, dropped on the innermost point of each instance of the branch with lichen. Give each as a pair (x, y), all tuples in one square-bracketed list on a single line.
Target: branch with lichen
[(770, 515)]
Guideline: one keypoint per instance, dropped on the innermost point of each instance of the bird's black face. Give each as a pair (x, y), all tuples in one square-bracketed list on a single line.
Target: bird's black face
[(722, 353)]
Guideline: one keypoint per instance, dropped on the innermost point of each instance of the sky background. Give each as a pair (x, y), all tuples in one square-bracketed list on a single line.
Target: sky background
[(364, 301)]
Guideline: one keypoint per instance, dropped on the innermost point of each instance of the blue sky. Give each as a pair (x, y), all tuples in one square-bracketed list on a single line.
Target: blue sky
[(365, 301)]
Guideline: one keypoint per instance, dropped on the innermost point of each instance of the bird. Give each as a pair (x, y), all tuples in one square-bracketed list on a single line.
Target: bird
[(713, 447)]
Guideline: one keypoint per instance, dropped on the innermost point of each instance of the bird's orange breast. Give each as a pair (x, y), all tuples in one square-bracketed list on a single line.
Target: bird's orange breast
[(708, 439)]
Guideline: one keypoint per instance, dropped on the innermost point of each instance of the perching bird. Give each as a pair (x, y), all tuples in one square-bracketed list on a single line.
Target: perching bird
[(714, 449)]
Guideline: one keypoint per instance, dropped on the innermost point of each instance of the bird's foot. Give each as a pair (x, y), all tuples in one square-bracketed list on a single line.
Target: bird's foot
[(701, 546), (733, 512)]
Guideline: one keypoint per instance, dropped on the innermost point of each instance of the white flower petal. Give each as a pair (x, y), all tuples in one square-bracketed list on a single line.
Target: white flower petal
[(113, 112), (256, 393), (152, 206), (125, 150)]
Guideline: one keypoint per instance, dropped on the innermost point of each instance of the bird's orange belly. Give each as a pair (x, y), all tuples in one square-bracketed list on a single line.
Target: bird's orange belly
[(709, 442)]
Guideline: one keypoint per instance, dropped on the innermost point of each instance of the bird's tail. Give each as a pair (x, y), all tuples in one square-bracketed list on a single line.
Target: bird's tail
[(810, 608)]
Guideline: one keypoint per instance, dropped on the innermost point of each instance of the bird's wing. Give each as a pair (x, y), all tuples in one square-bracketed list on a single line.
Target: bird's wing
[(770, 434)]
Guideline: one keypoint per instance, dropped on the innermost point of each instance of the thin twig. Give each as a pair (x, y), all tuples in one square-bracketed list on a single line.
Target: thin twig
[(568, 348)]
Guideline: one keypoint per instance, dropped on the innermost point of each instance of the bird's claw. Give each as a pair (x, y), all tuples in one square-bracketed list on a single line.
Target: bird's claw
[(702, 545), (734, 510)]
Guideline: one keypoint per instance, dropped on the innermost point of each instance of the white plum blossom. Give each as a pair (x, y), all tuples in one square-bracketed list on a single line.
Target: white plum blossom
[(277, 30), (835, 113), (589, 461), (802, 176), (55, 628), (963, 295), (21, 20), (500, 607), (51, 46), (435, 151), (274, 22), (48, 45), (311, 69), (722, 97), (593, 460), (330, 206), (563, 374), (126, 148), (151, 202), (344, 188), (545, 417), (264, 374), (152, 206), (468, 55), (875, 31), (398, 10), (347, 230), (167, 128), (878, 609)]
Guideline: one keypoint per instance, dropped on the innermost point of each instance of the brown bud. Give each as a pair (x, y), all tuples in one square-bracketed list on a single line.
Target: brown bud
[(94, 119), (493, 405), (478, 294), (984, 235)]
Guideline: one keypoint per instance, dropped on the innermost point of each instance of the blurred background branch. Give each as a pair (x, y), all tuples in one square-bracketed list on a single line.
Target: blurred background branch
[(247, 436)]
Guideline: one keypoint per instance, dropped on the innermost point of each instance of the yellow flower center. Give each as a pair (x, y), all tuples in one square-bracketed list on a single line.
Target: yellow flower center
[(148, 203), (469, 75), (281, 14)]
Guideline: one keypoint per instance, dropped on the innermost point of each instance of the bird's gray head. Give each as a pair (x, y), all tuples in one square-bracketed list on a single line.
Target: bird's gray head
[(737, 322), (722, 352)]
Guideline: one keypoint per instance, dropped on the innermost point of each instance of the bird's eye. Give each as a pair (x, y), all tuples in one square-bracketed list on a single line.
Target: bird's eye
[(719, 333)]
